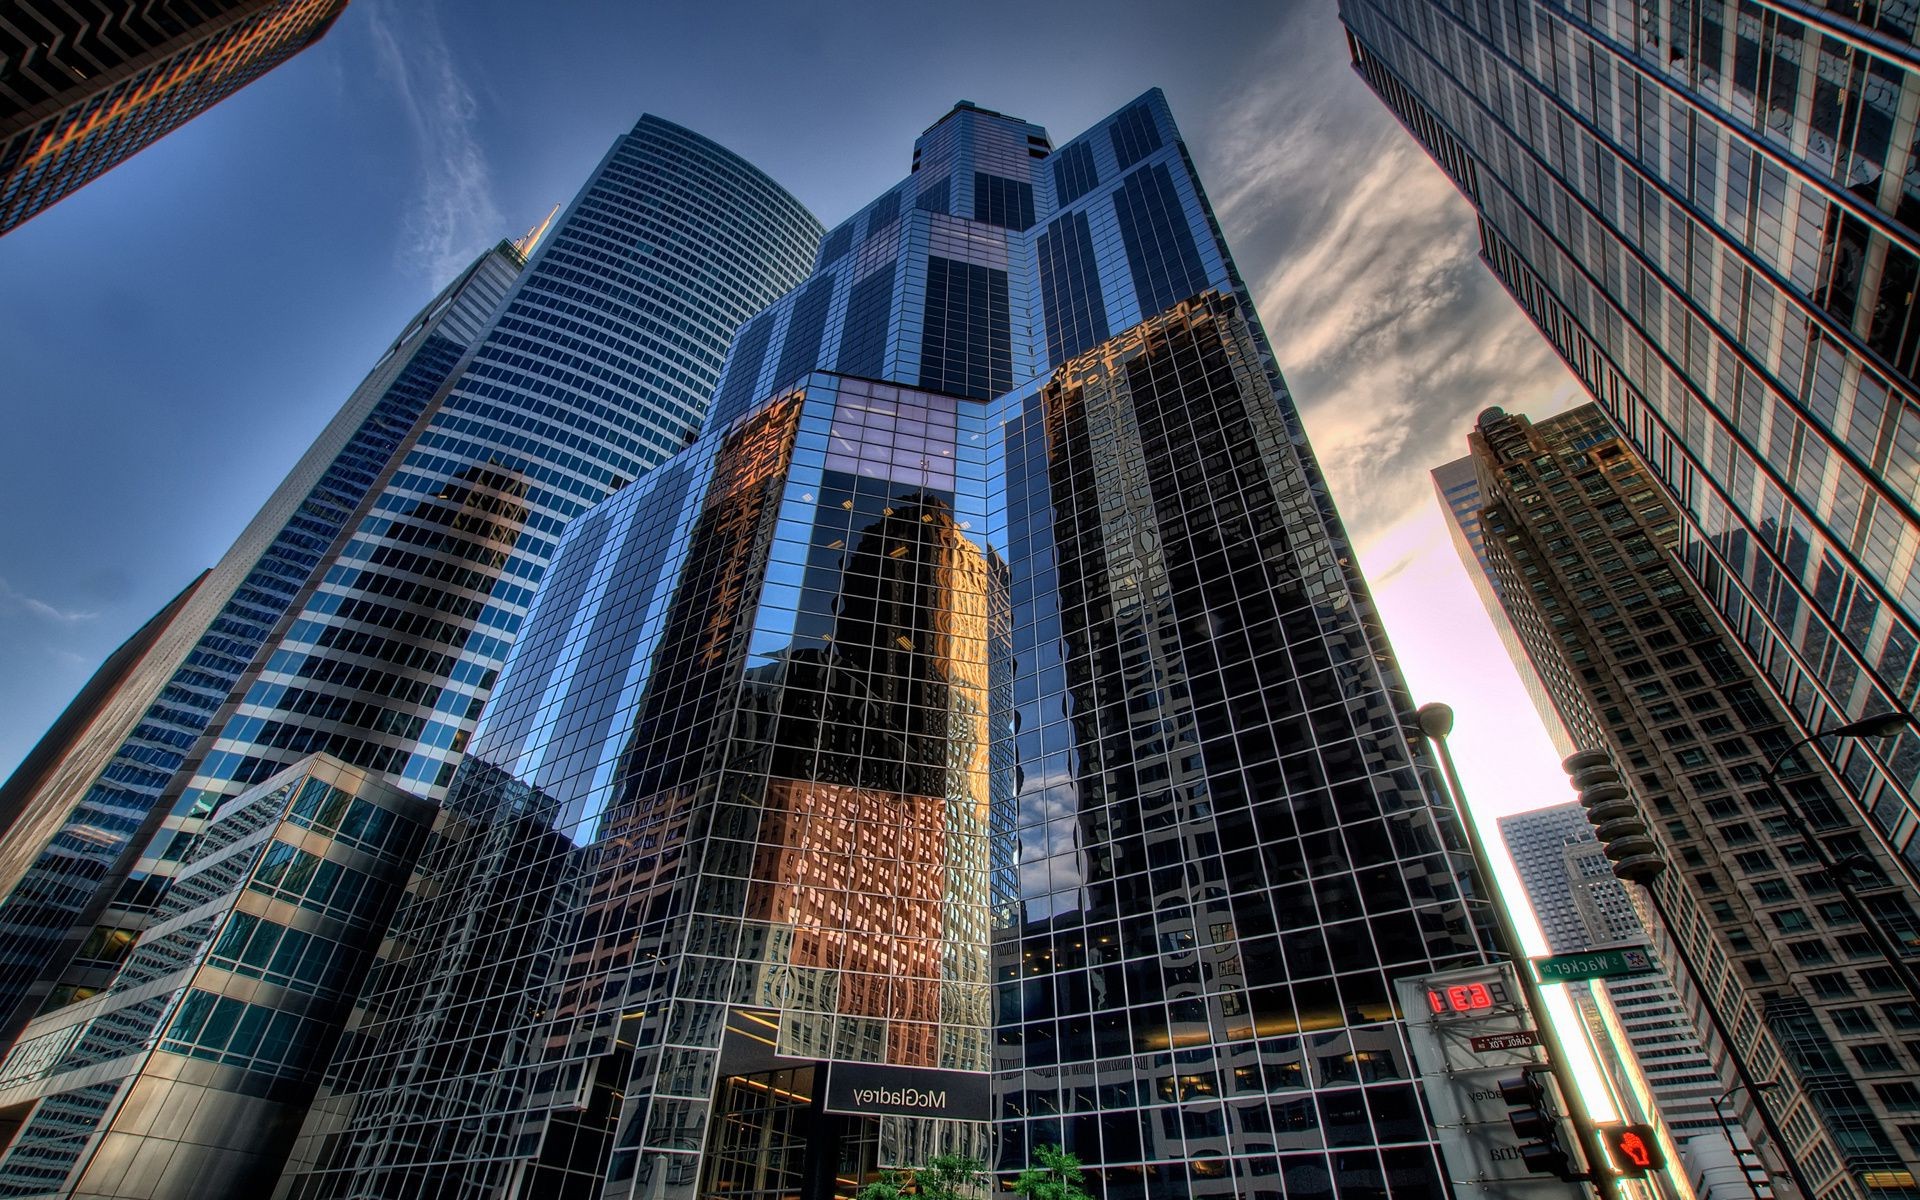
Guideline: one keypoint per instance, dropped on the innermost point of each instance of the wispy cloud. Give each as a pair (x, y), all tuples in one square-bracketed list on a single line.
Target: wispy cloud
[(11, 597), (453, 214), (1392, 333)]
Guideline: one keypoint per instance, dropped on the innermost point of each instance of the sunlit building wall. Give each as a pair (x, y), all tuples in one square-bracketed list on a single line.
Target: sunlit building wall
[(85, 84), (1583, 544), (183, 1079), (990, 691)]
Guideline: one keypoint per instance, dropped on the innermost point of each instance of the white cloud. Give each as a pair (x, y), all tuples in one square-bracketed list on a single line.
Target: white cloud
[(453, 214), (13, 598)]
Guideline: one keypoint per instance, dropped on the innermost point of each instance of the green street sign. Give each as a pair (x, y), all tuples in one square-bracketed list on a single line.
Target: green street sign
[(1611, 963)]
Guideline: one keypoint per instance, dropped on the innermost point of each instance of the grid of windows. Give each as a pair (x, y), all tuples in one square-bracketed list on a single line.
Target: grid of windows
[(54, 868), (967, 344), (1042, 733), (1074, 174), (1004, 202), (863, 336), (800, 349), (1581, 544), (1711, 217), (1070, 288), (288, 890), (1160, 249), (1134, 135), (87, 87)]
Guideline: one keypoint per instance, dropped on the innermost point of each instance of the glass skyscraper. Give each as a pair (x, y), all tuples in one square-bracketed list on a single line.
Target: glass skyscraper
[(82, 807), (83, 87), (532, 399), (1711, 208), (979, 738)]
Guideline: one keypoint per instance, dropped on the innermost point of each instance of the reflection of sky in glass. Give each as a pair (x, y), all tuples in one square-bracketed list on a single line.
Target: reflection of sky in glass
[(885, 432)]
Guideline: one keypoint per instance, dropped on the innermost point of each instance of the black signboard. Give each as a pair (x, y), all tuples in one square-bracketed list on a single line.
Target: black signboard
[(868, 1089)]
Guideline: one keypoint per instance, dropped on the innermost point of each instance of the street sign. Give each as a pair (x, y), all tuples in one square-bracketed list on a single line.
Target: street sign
[(1612, 963), (1504, 1041)]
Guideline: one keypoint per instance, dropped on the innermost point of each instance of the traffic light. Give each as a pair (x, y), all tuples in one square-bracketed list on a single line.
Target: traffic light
[(1531, 1114), (1635, 1149), (1616, 818)]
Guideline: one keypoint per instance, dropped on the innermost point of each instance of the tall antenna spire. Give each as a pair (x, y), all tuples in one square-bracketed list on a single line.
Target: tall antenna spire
[(525, 243)]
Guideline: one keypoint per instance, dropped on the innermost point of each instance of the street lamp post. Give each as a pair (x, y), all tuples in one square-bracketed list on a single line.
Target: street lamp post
[(1726, 1130), (1841, 871), (1436, 722)]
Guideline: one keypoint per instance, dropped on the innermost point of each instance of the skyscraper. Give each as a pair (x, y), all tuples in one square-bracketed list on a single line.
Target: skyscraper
[(186, 1076), (562, 384), (86, 84), (1710, 210), (1583, 544), (1582, 906), (81, 803), (982, 727)]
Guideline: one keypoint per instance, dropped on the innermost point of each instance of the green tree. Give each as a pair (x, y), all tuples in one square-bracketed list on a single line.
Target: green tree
[(945, 1177), (1058, 1177)]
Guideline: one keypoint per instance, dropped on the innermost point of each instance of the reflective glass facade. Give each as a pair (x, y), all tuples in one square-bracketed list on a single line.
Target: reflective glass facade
[(1007, 710), (85, 86), (182, 1079), (89, 806), (1711, 210)]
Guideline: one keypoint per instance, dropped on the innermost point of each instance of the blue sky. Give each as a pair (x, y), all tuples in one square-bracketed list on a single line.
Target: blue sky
[(175, 333)]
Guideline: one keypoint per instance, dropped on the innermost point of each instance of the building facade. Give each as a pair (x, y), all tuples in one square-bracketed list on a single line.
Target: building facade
[(1711, 211), (81, 804), (186, 1076), (565, 381), (1584, 545), (84, 86), (1581, 906), (985, 709)]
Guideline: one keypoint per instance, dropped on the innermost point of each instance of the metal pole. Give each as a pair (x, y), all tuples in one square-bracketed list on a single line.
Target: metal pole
[(1739, 1155), (1840, 873), (1781, 1146), (1599, 1166)]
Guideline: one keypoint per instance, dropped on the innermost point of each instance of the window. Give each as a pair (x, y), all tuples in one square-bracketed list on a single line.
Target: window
[(1851, 1020), (1876, 1056), (1792, 920), (1810, 954), (1831, 986), (1901, 1097)]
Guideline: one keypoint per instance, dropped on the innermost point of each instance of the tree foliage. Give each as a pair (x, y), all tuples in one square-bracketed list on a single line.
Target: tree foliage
[(1058, 1177), (945, 1177)]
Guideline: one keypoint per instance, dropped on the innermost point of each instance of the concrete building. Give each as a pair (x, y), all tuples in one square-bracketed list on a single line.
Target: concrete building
[(1583, 545), (186, 1076)]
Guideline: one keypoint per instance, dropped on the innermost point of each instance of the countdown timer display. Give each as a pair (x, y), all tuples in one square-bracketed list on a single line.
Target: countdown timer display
[(1465, 999)]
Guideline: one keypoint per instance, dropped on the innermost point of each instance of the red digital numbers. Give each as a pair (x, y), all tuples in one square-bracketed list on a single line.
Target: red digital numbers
[(1460, 998)]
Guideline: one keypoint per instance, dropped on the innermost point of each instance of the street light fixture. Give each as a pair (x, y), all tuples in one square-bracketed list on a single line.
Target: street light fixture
[(1842, 871), (1726, 1130), (1435, 723)]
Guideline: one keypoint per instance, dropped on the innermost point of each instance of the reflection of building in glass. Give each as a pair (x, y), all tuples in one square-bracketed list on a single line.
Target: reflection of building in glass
[(182, 1079), (1584, 546), (985, 711), (374, 628), (83, 87)]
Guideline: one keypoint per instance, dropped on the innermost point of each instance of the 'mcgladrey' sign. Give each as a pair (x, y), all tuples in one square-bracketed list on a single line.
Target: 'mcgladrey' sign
[(868, 1089)]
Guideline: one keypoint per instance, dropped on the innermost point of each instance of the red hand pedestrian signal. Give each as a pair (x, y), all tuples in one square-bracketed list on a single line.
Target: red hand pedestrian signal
[(1635, 1148)]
